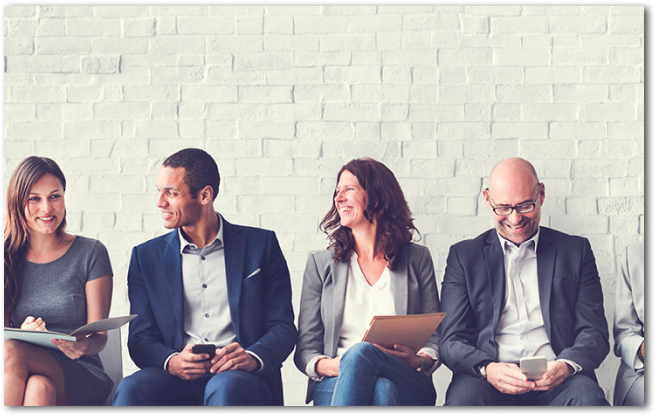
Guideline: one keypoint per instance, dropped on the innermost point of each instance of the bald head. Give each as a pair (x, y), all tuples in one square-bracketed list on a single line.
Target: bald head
[(513, 172)]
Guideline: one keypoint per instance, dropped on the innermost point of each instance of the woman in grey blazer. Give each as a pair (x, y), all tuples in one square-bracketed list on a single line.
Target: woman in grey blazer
[(629, 328), (371, 267)]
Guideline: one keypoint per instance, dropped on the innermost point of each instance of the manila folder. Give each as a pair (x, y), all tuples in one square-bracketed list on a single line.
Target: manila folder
[(410, 330)]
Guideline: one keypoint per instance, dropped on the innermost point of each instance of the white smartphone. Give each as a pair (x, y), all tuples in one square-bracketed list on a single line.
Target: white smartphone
[(533, 367)]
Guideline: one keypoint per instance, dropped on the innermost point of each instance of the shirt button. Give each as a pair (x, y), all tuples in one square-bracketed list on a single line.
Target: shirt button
[(202, 257), (207, 315), (204, 286), (206, 340)]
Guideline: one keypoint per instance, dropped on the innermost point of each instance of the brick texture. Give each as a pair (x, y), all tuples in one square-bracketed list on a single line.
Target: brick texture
[(283, 96)]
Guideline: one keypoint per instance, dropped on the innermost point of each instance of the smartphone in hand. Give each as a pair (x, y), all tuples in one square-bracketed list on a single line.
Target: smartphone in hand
[(204, 349), (533, 367)]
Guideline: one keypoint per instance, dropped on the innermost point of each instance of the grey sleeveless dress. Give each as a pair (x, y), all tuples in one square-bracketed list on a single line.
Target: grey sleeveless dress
[(55, 292)]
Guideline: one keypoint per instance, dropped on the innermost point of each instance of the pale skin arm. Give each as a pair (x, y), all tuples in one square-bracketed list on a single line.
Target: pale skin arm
[(99, 299)]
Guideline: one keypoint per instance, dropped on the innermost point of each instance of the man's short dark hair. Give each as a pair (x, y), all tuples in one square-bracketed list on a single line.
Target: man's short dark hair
[(200, 169)]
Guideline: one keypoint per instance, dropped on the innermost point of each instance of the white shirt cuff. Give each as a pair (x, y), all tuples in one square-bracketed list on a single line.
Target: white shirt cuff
[(435, 356), (310, 368), (261, 369), (572, 364), (166, 362), (638, 365)]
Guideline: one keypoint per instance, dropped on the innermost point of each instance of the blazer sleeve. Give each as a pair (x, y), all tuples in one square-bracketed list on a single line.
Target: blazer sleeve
[(145, 341), (279, 336), (590, 345), (458, 333), (628, 329), (430, 298), (310, 326)]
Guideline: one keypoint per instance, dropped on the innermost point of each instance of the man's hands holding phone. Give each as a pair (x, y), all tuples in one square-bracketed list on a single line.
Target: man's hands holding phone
[(190, 366), (509, 379)]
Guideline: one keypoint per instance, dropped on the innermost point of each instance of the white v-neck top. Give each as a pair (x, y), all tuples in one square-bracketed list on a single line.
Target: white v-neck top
[(361, 303)]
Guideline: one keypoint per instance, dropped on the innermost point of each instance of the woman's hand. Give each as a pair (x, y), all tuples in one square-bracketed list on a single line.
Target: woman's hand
[(72, 349), (405, 354), (33, 324), (328, 367)]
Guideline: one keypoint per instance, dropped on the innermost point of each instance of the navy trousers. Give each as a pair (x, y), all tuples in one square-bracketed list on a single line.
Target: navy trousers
[(155, 387), (578, 390)]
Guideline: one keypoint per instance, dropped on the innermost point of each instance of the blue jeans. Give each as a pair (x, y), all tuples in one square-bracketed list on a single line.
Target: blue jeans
[(370, 377)]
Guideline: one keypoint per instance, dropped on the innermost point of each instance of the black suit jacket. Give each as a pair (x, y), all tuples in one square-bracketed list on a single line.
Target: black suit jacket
[(259, 297), (571, 301)]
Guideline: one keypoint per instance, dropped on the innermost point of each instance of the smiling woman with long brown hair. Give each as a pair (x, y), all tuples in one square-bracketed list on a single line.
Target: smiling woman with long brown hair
[(371, 267), (53, 281)]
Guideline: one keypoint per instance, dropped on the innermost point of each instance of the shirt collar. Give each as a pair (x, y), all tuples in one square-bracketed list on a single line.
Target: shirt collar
[(506, 243), (184, 243)]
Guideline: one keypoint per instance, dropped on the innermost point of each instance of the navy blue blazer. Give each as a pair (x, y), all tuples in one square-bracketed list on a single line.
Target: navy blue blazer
[(260, 306), (571, 300)]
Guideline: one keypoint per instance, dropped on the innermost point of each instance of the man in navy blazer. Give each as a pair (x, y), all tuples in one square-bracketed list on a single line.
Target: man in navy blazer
[(206, 282), (521, 290)]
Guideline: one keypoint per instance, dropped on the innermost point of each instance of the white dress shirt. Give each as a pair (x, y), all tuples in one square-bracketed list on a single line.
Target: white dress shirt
[(521, 332), (206, 310)]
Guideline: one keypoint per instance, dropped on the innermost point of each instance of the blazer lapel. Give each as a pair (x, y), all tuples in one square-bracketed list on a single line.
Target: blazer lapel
[(234, 245), (495, 273), (172, 267), (546, 264), (399, 284)]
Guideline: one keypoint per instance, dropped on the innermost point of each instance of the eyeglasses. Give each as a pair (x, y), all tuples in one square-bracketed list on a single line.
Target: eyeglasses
[(521, 208)]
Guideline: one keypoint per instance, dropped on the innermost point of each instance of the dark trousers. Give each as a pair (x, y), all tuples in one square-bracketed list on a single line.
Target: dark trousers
[(156, 387), (578, 390)]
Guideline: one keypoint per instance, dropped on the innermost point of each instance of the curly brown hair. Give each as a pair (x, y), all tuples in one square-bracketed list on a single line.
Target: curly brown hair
[(385, 203)]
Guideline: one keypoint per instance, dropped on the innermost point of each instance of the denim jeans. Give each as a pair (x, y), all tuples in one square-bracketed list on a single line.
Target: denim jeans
[(370, 377)]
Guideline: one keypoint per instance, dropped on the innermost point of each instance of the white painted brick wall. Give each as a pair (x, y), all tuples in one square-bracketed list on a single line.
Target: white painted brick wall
[(283, 96)]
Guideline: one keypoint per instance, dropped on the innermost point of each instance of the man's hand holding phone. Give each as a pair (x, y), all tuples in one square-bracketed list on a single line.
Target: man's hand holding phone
[(557, 372), (189, 365)]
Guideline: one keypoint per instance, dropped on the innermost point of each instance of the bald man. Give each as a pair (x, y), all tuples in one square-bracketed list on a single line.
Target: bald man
[(521, 290)]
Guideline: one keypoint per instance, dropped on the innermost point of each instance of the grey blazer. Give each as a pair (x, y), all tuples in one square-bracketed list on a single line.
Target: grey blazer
[(324, 290), (628, 326)]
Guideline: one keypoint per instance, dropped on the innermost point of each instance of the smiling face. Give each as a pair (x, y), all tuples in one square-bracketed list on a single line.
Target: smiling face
[(45, 209), (350, 201), (175, 201), (512, 183)]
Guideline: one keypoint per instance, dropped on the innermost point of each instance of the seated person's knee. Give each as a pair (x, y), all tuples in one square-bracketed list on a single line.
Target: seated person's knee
[(360, 349), (41, 386)]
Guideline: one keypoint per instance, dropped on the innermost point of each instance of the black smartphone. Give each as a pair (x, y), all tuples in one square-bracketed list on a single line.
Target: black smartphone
[(204, 349)]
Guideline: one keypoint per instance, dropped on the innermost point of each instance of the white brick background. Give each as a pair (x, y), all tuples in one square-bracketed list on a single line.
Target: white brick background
[(283, 96)]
